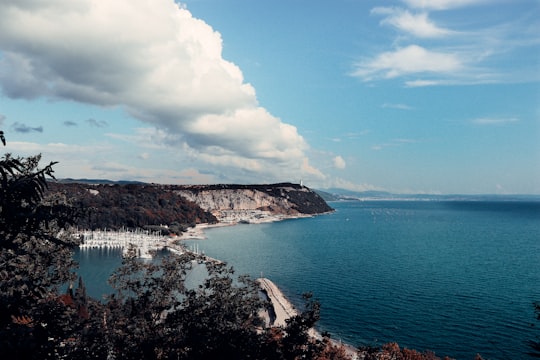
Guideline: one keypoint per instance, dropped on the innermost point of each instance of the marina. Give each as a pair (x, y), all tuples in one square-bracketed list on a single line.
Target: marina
[(144, 241)]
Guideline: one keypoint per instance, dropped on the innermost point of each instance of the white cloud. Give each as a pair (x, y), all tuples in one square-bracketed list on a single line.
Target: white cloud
[(393, 143), (494, 121), (472, 52), (312, 172), (420, 83), (269, 139), (441, 4), (397, 106), (412, 59), (351, 136), (418, 25), (219, 158), (340, 183), (155, 60), (339, 162)]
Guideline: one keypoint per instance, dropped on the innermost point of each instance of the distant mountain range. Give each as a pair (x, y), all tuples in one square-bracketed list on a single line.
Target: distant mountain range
[(343, 195)]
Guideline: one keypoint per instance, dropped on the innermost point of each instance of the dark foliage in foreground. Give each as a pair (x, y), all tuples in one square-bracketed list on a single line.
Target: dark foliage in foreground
[(35, 260), (156, 312)]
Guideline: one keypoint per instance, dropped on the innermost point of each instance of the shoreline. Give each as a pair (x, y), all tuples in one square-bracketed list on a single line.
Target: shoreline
[(244, 217)]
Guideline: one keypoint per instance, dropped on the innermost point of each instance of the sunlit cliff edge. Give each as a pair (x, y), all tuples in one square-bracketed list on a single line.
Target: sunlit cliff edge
[(255, 203)]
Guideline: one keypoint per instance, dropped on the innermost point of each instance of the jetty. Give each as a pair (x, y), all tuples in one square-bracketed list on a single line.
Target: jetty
[(283, 309)]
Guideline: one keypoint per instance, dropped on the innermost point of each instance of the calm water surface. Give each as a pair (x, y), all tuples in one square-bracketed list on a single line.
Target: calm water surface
[(458, 278)]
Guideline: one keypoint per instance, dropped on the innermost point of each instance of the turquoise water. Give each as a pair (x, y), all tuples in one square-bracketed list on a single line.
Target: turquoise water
[(95, 267), (458, 278)]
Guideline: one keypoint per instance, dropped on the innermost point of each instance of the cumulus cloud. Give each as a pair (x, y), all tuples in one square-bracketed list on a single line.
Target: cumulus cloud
[(418, 25), (412, 59), (339, 162), (156, 61), (23, 128)]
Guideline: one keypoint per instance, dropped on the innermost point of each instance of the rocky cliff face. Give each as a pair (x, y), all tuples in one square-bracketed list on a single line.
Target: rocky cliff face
[(255, 203)]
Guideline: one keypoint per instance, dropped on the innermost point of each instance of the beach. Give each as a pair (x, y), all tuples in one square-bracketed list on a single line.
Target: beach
[(234, 217)]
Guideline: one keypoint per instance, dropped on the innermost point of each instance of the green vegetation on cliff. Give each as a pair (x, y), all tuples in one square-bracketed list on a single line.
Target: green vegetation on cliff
[(128, 206)]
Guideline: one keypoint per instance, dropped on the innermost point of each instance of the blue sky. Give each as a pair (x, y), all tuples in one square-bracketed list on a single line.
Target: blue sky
[(408, 96)]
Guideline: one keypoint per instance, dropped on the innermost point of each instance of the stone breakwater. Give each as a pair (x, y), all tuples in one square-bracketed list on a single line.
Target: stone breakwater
[(283, 309)]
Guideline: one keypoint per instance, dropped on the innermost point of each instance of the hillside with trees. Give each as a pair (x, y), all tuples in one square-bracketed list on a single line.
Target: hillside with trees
[(116, 206)]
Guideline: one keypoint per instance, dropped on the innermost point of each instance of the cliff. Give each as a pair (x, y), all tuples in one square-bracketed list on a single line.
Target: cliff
[(248, 203), (115, 206)]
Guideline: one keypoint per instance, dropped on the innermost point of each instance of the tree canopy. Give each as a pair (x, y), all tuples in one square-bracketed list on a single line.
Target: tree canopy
[(35, 260)]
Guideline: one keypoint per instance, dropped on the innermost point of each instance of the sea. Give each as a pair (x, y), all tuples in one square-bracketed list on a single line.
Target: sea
[(454, 277)]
